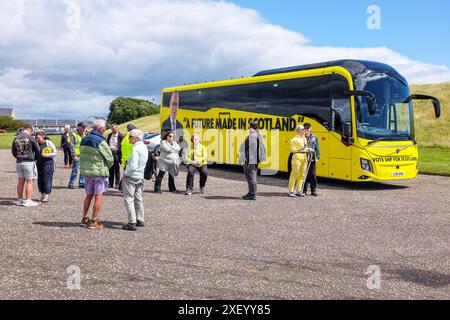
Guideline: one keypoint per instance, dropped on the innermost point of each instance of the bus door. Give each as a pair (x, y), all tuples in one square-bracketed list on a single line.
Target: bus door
[(340, 153)]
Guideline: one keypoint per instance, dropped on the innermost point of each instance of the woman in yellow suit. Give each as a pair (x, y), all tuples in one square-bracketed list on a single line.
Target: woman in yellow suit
[(299, 151)]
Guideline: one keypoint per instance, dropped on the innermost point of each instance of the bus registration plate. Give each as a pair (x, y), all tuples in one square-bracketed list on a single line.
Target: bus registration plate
[(398, 174)]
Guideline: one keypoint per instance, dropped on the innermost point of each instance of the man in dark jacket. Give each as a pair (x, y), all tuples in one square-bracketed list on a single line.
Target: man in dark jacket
[(26, 151), (313, 143), (251, 153), (65, 147), (114, 141)]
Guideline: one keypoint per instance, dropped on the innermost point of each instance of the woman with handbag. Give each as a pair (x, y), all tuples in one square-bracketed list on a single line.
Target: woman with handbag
[(169, 161)]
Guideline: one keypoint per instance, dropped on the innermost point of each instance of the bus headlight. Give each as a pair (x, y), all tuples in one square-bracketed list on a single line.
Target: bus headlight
[(366, 165)]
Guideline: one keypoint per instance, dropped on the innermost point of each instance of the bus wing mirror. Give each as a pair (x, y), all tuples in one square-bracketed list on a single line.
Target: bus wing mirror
[(347, 133), (434, 100), (371, 101)]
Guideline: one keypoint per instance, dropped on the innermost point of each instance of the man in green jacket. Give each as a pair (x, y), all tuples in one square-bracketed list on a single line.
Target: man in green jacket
[(95, 161)]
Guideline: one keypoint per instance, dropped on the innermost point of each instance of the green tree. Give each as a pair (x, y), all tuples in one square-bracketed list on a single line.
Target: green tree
[(123, 109), (10, 124)]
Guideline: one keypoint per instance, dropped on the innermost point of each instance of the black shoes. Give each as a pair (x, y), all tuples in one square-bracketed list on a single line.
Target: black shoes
[(129, 227), (249, 197), (313, 193), (140, 224)]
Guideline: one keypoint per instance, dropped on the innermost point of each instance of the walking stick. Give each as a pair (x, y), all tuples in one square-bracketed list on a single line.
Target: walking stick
[(306, 172)]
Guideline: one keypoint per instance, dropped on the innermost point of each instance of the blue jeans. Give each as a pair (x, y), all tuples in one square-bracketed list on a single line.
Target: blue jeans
[(73, 176), (45, 176)]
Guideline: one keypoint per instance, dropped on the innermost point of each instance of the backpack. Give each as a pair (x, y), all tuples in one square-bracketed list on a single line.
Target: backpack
[(23, 148)]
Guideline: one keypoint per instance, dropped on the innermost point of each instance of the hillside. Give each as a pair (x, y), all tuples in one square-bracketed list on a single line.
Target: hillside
[(150, 123), (432, 132)]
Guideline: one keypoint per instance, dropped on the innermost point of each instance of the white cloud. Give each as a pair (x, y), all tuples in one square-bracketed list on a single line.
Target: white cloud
[(137, 47)]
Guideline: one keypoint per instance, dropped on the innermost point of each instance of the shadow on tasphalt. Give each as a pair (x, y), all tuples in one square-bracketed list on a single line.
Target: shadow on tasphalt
[(281, 180), (7, 201), (65, 224)]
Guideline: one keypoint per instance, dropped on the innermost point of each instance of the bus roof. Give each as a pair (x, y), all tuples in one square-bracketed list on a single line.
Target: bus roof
[(354, 67)]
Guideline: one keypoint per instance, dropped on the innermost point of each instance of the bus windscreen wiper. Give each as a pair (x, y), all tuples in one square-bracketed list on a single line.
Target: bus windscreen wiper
[(380, 139), (410, 137)]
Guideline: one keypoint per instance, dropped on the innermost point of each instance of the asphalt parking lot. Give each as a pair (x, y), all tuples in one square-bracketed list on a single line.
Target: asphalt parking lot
[(216, 246)]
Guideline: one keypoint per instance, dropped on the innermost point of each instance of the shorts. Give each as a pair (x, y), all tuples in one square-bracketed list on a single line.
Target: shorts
[(96, 185), (27, 170)]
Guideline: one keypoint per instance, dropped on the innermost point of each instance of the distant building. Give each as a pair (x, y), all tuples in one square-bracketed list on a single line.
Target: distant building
[(51, 123), (7, 112)]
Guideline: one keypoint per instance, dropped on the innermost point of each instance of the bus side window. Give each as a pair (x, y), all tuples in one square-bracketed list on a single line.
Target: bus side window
[(340, 114), (340, 104)]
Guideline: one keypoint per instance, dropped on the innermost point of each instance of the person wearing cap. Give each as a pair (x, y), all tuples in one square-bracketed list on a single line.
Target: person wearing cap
[(65, 147), (251, 153), (75, 141), (313, 144), (133, 181), (299, 149)]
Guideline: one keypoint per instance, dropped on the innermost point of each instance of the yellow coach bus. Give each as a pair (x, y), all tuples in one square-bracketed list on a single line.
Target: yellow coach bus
[(361, 111)]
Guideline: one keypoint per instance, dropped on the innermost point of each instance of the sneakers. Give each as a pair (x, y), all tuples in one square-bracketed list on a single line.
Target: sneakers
[(81, 186), (129, 227), (71, 187), (202, 190), (45, 198), (140, 224), (95, 225), (314, 193), (29, 203), (85, 221), (292, 194), (188, 192), (249, 197), (66, 167), (300, 194), (18, 202)]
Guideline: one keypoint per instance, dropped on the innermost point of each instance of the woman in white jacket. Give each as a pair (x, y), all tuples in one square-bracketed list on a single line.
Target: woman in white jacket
[(169, 161)]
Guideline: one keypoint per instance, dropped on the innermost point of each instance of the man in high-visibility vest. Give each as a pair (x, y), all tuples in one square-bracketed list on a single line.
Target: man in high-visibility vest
[(75, 141), (127, 146)]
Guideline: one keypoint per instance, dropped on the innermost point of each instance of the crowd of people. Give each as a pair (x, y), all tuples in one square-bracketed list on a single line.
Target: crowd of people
[(97, 162)]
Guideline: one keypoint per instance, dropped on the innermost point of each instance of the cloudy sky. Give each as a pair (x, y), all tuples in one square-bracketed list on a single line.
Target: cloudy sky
[(70, 58)]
